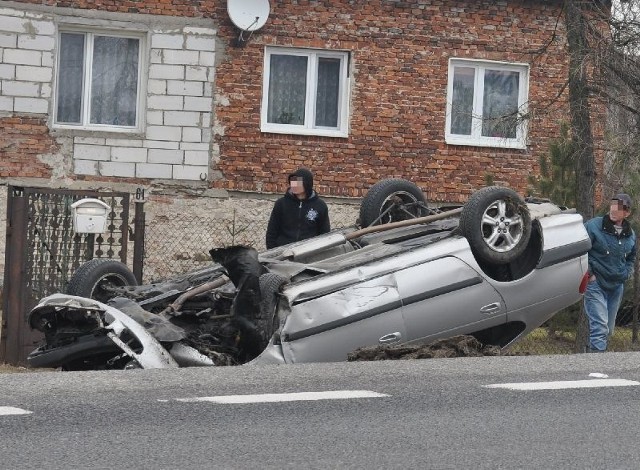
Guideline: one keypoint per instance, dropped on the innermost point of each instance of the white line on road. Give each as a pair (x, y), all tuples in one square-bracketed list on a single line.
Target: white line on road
[(281, 397), (10, 410), (593, 383)]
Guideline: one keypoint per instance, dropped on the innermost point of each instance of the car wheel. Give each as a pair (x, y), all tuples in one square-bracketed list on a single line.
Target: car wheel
[(392, 200), (270, 284), (497, 224), (95, 279)]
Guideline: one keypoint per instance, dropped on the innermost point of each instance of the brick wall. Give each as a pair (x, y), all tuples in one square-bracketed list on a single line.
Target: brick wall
[(399, 57), (400, 53)]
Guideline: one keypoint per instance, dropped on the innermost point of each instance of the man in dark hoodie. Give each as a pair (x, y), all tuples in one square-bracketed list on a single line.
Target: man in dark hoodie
[(299, 214)]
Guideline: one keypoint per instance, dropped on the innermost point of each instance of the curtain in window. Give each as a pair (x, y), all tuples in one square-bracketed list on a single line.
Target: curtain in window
[(500, 104), (462, 100), (327, 92), (114, 81), (70, 78), (287, 89)]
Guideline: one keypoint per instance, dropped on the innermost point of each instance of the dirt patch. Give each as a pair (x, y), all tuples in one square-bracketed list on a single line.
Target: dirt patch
[(7, 369), (457, 346)]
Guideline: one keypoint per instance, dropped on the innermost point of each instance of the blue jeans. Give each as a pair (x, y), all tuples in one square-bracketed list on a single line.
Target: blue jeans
[(601, 307)]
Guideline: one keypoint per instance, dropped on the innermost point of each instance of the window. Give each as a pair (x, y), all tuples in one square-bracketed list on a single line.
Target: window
[(305, 92), (98, 81), (486, 102)]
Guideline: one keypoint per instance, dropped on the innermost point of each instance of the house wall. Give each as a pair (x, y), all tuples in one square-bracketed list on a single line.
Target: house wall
[(201, 140), (399, 58)]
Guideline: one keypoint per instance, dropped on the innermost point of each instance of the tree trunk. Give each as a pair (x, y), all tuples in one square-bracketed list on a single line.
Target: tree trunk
[(580, 129)]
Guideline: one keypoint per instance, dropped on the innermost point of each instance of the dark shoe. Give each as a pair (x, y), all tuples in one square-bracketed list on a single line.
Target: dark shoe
[(593, 350)]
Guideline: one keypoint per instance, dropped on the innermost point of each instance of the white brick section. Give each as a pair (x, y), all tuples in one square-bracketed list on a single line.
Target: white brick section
[(201, 146), (166, 71), (148, 170), (126, 170), (8, 40), (191, 134), (91, 152), (157, 87), (159, 144), (40, 43), (196, 72), (6, 103), (200, 43), (12, 24), (7, 71), (155, 57), (124, 142), (42, 27), (166, 156), (179, 87), (164, 133), (167, 41), (181, 118), (85, 167), (208, 59), (193, 157), (171, 103), (170, 56), (34, 74), (45, 90), (13, 88), (181, 172), (196, 103), (89, 140), (129, 154), (203, 31), (31, 105), (47, 59), (22, 57), (154, 118)]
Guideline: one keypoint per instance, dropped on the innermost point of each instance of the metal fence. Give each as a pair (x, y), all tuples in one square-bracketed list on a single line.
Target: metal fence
[(181, 243)]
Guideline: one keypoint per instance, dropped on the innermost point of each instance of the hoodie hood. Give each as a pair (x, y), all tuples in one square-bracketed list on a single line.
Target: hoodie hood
[(307, 179)]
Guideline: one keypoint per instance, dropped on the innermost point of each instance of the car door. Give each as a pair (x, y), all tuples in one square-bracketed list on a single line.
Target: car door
[(445, 297), (329, 327)]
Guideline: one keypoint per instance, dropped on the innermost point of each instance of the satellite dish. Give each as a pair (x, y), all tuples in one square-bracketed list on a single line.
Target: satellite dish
[(248, 15)]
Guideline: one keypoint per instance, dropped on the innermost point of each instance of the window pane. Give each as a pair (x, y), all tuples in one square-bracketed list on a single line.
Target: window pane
[(327, 93), (70, 78), (500, 104), (114, 81), (462, 101), (287, 89)]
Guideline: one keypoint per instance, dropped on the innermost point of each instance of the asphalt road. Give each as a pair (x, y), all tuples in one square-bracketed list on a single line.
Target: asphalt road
[(436, 414)]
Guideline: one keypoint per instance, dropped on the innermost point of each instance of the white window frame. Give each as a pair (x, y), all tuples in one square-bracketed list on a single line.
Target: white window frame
[(476, 138), (85, 124), (309, 128)]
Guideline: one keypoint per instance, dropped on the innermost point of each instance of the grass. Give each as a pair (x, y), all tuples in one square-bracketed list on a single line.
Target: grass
[(546, 341)]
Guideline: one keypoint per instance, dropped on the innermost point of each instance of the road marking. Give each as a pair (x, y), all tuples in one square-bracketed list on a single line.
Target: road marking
[(593, 383), (10, 410), (282, 397)]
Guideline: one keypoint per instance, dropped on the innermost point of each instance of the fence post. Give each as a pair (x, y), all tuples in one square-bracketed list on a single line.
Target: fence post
[(13, 318), (138, 235)]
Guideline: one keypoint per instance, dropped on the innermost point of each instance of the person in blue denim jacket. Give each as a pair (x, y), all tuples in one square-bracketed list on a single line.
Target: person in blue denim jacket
[(611, 261)]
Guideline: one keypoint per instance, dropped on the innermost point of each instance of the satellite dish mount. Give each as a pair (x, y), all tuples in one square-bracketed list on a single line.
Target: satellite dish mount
[(248, 16)]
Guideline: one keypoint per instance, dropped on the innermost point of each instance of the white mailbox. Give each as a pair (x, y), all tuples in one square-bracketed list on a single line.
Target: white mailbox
[(90, 215)]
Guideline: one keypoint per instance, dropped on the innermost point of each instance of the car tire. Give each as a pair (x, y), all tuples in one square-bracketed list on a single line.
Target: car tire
[(497, 224), (94, 279), (392, 200), (270, 284)]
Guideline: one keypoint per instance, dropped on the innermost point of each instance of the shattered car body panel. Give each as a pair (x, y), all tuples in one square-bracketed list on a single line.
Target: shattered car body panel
[(322, 298)]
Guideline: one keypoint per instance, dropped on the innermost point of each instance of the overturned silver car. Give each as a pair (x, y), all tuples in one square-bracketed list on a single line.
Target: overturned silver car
[(495, 268)]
